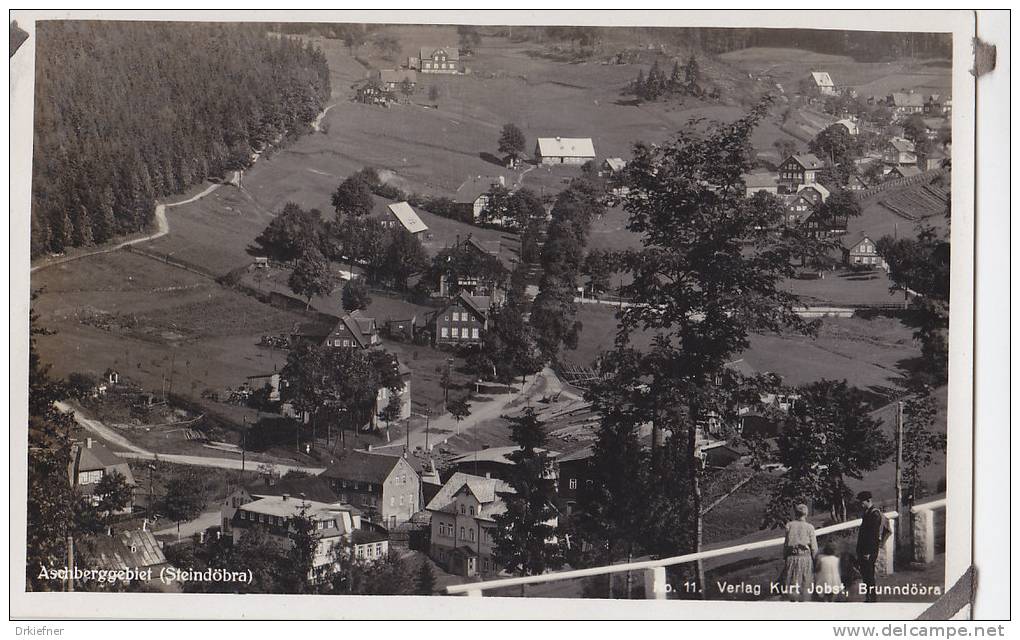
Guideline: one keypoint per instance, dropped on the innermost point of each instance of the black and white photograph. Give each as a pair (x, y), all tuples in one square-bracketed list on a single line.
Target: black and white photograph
[(340, 307)]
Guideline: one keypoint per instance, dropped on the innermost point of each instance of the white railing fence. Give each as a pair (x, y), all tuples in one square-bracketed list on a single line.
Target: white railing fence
[(655, 570), (923, 533)]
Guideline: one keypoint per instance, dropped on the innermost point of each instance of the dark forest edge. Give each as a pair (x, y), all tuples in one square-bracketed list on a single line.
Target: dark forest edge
[(179, 104)]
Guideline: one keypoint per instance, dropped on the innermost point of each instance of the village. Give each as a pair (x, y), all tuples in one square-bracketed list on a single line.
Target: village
[(361, 372)]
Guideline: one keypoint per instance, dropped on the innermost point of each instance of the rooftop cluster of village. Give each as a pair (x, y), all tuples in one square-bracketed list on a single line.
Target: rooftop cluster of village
[(430, 321)]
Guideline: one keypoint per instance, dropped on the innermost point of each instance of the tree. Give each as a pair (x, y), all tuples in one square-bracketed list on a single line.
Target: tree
[(459, 410), (598, 266), (299, 573), (113, 493), (921, 265), (920, 443), (710, 273), (785, 147), (404, 256), (692, 76), (292, 232), (355, 295), (835, 145), (915, 130), (353, 197), (407, 87), (391, 412), (524, 537), (81, 385), (829, 437), (338, 386), (388, 46), (839, 207), (180, 502), (312, 276), (425, 583), (512, 142), (469, 38)]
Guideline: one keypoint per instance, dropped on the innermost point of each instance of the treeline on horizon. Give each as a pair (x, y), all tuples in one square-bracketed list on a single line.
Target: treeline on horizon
[(863, 46), (128, 112)]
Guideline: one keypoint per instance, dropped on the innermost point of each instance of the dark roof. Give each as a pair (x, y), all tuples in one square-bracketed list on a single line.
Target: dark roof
[(493, 248), (93, 455), (583, 453), (126, 550), (367, 536), (310, 330), (452, 53), (359, 327), (361, 466), (807, 160), (475, 186), (477, 304), (314, 488)]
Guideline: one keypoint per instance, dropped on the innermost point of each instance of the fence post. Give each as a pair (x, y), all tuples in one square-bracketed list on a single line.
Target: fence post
[(655, 583), (923, 535), (887, 554)]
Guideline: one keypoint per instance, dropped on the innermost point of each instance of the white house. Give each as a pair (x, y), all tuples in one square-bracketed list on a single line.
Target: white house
[(564, 150), (823, 82)]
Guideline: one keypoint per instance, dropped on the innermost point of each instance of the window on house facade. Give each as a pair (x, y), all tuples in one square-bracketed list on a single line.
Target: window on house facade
[(471, 535), (472, 510), (572, 483), (443, 332), (462, 533), (461, 509), (455, 332), (474, 332)]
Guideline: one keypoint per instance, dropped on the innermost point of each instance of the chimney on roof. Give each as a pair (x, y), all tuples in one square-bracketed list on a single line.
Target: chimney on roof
[(368, 447), (285, 496), (557, 138), (88, 443), (488, 474)]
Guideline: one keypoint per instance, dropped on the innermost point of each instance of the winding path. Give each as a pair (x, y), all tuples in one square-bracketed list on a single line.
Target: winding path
[(135, 452), (162, 228)]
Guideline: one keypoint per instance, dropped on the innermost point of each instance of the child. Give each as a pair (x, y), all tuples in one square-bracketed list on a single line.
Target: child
[(827, 581)]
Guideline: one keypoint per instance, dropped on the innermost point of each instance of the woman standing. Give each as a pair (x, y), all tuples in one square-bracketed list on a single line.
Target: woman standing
[(799, 551)]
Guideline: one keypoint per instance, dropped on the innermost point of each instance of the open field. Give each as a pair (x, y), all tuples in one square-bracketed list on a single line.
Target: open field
[(789, 66), (869, 353)]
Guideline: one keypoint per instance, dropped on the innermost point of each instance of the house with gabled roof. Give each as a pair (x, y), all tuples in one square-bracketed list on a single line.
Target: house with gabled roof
[(903, 171), (905, 104), (473, 194), (862, 252), (798, 208), (823, 82), (385, 488), (399, 214), (90, 462), (444, 60), (575, 151), (463, 525), (136, 550), (334, 528), (495, 462), (393, 79), (755, 182), (474, 283), (354, 331), (900, 151), (816, 193), (799, 169), (462, 321)]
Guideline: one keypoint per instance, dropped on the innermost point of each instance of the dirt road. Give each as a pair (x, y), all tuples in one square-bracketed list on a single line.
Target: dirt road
[(135, 452)]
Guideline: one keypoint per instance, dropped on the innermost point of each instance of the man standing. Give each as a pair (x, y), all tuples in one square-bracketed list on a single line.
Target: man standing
[(873, 532)]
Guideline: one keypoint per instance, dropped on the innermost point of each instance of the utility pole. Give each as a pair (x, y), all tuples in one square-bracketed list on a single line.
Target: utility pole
[(244, 438), (428, 411), (899, 470)]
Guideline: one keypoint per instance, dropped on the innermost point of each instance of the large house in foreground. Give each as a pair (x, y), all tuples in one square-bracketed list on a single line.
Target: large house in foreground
[(436, 60), (798, 170), (463, 321), (559, 150), (387, 489), (334, 528), (463, 529)]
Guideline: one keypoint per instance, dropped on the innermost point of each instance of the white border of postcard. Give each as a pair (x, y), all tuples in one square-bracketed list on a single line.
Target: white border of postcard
[(186, 606)]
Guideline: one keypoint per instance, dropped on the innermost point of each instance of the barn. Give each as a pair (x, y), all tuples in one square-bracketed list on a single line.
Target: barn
[(564, 150)]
